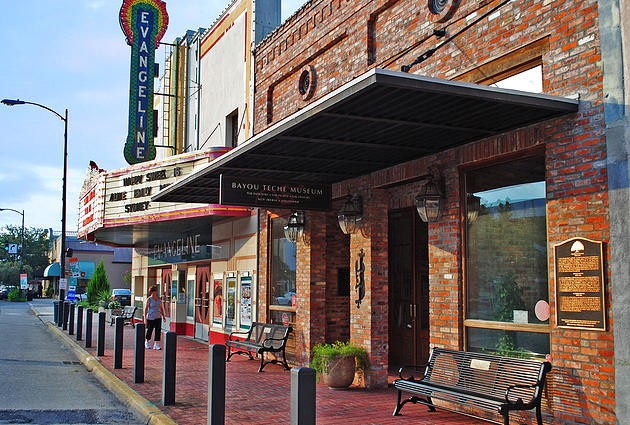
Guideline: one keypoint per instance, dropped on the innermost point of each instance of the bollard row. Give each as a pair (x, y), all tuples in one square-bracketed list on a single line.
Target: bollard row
[(303, 408)]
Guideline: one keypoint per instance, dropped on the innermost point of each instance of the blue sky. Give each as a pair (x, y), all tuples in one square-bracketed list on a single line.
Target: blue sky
[(70, 54)]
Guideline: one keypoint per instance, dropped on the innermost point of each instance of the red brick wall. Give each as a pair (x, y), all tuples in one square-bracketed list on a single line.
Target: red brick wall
[(337, 306), (342, 39)]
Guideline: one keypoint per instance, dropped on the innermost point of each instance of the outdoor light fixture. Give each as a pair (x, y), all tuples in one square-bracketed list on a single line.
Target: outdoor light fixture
[(473, 205), (294, 229), (351, 215), (64, 118), (429, 201)]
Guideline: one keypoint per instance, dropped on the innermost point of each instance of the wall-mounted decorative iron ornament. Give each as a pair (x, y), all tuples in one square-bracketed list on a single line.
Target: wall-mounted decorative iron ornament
[(359, 271)]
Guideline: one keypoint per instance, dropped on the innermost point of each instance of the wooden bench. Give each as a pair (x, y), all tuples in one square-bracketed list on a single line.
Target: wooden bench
[(260, 339), (127, 314), (490, 382)]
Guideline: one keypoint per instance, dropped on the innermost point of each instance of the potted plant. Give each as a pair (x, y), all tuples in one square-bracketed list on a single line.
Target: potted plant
[(337, 363)]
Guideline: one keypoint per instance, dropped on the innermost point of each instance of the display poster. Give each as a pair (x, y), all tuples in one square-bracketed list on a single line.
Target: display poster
[(246, 301), (580, 294), (217, 301), (230, 305), (23, 281)]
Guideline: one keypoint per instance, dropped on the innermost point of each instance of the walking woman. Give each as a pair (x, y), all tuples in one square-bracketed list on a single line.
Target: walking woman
[(153, 314)]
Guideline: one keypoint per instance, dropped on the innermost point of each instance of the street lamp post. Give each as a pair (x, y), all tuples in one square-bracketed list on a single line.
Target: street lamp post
[(21, 238), (64, 118)]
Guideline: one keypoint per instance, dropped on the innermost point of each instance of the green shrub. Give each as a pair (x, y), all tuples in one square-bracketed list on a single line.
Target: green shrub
[(15, 295), (323, 354)]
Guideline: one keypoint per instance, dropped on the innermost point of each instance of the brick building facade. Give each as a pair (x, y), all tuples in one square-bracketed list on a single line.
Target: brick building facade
[(337, 41)]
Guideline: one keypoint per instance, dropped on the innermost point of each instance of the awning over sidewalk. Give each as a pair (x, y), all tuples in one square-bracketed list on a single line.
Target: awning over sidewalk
[(376, 121), (52, 270)]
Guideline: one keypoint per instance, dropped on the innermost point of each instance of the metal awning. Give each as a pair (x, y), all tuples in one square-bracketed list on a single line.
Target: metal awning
[(376, 121)]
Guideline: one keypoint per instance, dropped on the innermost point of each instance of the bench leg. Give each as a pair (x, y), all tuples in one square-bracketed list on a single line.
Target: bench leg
[(262, 362), (539, 415), (284, 361), (398, 405)]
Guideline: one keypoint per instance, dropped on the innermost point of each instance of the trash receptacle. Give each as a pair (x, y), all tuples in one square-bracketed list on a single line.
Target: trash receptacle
[(55, 310)]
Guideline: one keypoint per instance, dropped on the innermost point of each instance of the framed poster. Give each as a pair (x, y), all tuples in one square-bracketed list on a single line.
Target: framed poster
[(580, 294), (217, 300), (246, 302)]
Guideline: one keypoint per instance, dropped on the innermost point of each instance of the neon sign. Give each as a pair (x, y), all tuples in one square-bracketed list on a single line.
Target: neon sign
[(144, 23)]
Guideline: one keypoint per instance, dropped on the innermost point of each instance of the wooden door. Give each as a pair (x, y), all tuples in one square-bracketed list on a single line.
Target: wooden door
[(408, 289)]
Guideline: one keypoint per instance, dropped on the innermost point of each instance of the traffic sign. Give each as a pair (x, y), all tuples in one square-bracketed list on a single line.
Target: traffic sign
[(13, 248)]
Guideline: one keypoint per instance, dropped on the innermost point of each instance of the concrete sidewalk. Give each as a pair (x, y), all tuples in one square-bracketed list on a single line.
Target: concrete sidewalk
[(251, 397)]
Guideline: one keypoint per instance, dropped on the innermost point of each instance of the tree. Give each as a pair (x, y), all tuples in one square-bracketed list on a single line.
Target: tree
[(98, 286), (35, 251)]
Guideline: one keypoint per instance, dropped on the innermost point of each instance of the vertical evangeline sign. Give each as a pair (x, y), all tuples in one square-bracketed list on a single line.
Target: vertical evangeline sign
[(144, 23), (580, 294)]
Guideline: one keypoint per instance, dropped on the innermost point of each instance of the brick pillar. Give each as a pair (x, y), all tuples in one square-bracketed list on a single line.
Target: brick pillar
[(310, 321), (369, 320)]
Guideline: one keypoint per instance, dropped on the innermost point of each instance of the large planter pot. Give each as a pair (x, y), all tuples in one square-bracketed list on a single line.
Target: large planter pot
[(340, 373)]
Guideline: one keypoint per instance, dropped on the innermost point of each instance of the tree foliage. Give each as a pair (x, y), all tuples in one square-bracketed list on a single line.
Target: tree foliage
[(98, 284), (35, 251)]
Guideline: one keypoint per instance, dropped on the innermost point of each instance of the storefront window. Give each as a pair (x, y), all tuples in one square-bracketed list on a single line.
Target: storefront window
[(282, 283), (507, 293)]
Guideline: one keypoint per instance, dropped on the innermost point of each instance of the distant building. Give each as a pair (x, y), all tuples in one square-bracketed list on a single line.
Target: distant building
[(88, 254)]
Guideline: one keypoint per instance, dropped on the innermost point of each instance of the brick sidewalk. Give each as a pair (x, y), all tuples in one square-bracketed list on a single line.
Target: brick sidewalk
[(252, 397)]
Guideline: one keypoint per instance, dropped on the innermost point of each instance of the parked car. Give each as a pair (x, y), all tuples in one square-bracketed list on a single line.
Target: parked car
[(80, 295), (123, 296), (4, 291)]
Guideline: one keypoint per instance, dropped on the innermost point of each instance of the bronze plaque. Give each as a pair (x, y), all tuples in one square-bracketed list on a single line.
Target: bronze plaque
[(580, 295)]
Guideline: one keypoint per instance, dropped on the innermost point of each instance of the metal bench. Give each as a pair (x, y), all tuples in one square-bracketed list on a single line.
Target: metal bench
[(490, 382), (260, 339), (127, 314)]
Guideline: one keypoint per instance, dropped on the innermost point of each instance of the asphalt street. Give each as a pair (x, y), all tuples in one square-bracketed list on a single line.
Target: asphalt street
[(43, 382)]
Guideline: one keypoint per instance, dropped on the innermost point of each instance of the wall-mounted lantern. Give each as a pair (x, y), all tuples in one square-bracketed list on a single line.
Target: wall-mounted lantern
[(294, 229), (429, 201), (351, 215)]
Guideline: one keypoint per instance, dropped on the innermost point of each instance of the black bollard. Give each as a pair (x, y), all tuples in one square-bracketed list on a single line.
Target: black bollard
[(79, 322), (71, 320), (168, 376), (118, 342), (88, 328), (302, 396), (55, 312), (66, 312), (100, 341), (216, 384), (138, 363), (60, 314)]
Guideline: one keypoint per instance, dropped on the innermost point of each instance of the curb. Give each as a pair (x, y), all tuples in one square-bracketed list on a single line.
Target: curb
[(127, 395)]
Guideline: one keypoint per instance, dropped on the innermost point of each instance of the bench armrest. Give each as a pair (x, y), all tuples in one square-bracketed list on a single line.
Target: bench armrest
[(267, 343), (236, 333), (418, 369), (519, 400)]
